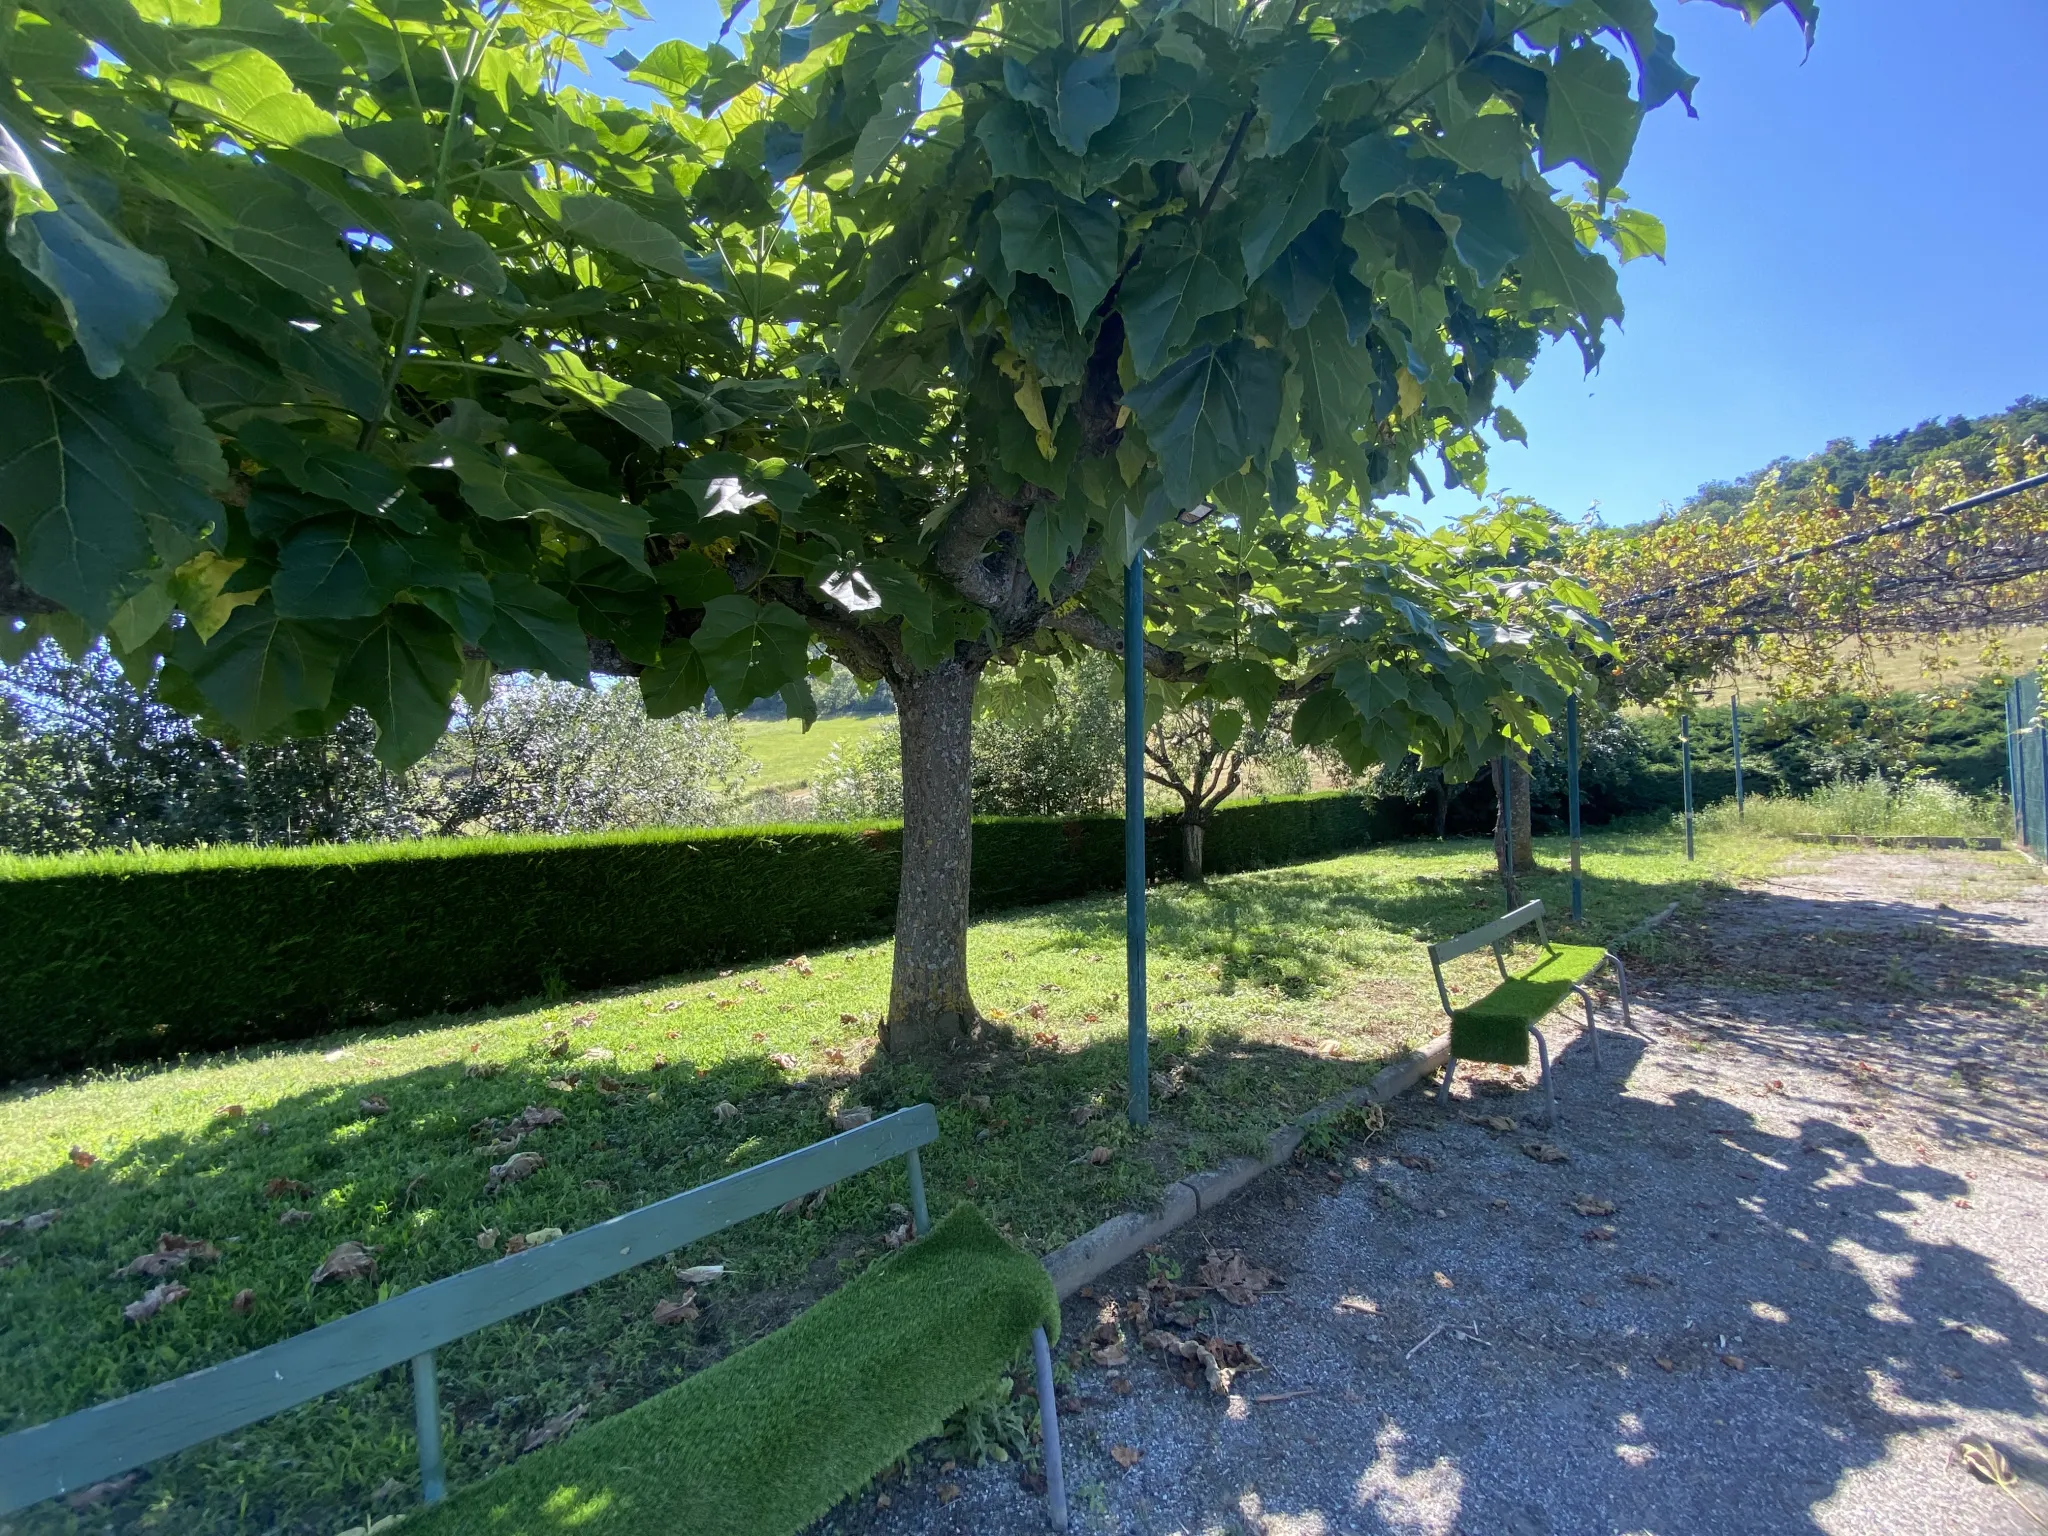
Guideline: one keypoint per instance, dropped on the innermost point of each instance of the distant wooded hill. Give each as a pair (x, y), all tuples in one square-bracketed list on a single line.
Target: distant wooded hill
[(1972, 439)]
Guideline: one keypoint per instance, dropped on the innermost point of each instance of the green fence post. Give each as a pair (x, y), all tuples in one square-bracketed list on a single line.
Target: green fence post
[(1685, 768), (1571, 779), (1134, 830), (426, 1414)]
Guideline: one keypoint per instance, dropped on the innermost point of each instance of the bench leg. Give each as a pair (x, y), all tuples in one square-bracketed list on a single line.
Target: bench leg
[(1543, 1055), (1049, 1424), (426, 1409), (1621, 985), (1592, 1028), (1443, 1089)]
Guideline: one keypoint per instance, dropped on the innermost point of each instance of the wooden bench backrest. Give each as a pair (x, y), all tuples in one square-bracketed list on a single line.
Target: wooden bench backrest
[(83, 1448), (1491, 936)]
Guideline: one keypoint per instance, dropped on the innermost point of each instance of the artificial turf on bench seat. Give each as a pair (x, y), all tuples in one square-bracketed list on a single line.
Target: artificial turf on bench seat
[(776, 1434), (1496, 1028)]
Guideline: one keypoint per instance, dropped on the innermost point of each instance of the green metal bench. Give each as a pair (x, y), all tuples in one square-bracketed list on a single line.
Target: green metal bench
[(1497, 1027), (742, 1448)]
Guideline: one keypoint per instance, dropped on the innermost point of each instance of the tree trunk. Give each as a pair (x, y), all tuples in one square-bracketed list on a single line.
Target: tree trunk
[(930, 1008), (1440, 789), (1525, 850), (1191, 837)]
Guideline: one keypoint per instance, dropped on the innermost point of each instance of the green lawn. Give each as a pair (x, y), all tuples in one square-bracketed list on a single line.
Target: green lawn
[(1270, 991), (789, 754)]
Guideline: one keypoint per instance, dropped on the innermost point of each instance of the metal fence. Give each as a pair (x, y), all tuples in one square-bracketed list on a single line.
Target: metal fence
[(2026, 750)]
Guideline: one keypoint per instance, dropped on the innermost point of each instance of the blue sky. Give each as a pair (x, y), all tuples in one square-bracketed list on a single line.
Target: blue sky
[(1857, 243)]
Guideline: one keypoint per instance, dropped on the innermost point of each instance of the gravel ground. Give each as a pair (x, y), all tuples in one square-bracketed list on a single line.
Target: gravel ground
[(1826, 1266)]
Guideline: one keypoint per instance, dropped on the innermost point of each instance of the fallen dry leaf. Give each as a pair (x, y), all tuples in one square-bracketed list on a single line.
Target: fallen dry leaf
[(1234, 1277), (1283, 1397), (557, 1043), (487, 1239), (948, 1492), (609, 1085), (540, 1235), (154, 1300), (1091, 1018), (1364, 1304), (1202, 1360), (533, 1117), (1587, 1205), (1126, 1456), (1112, 1354), (1096, 1158), (483, 1068), (172, 1253), (80, 1158), (1443, 1281), (1085, 1113), (374, 1105), (701, 1274), (836, 1057), (849, 1018), (103, 1493), (1600, 1234), (35, 1223), (817, 1201), (1647, 1282), (348, 1261), (1665, 1365), (672, 1005), (231, 1111), (521, 1165), (292, 1217), (598, 1053), (585, 1019), (553, 1429), (852, 1117), (1417, 1162), (683, 1309), (1546, 1151), (1735, 1362), (724, 1111), (790, 1207), (564, 1084), (277, 1189), (244, 1302)]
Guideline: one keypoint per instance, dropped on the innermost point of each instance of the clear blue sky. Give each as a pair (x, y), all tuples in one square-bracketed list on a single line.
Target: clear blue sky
[(1858, 241)]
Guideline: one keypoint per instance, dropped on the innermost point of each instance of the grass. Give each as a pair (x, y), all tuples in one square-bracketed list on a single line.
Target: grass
[(1870, 808), (771, 1438), (788, 754), (1270, 991)]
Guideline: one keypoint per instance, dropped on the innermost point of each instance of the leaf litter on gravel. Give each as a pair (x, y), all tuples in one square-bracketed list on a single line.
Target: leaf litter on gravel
[(1546, 1151), (1235, 1278)]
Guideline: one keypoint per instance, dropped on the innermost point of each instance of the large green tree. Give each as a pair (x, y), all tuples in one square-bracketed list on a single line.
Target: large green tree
[(349, 352)]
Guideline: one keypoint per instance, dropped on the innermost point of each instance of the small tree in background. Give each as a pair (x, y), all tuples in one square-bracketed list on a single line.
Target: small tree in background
[(1204, 753)]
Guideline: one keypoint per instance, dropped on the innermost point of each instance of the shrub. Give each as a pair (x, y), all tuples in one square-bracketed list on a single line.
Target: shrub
[(1868, 808), (125, 957)]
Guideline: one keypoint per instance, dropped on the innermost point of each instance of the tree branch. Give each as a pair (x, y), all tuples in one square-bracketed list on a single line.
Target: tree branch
[(17, 600)]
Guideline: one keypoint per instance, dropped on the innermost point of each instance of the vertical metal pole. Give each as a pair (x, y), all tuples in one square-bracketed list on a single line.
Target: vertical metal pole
[(1049, 1426), (920, 1220), (1735, 739), (1134, 831), (426, 1412), (1571, 780), (2012, 778), (1685, 769), (1507, 830)]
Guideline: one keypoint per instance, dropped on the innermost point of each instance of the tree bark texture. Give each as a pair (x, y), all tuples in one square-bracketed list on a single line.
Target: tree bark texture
[(929, 1005), (1525, 849), (1503, 860), (1191, 839)]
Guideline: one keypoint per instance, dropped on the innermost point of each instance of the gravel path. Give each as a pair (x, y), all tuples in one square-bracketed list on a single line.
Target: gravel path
[(1826, 1265)]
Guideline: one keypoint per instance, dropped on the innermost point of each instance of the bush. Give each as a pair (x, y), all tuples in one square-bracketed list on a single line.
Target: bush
[(1868, 808), (128, 957)]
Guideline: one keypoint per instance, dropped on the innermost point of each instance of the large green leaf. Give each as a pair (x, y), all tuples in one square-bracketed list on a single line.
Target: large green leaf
[(1172, 112), (339, 568), (1558, 268), (260, 670), (1052, 534), (676, 684), (1292, 88), (249, 91), (751, 650), (1379, 165), (404, 673), (1592, 120), (112, 292), (1490, 233), (610, 225), (1284, 198), (1336, 396), (535, 629), (1072, 245), (1087, 98), (640, 411), (505, 488), (257, 214), (885, 130), (1655, 51), (91, 484), (1210, 413), (1177, 283), (432, 236)]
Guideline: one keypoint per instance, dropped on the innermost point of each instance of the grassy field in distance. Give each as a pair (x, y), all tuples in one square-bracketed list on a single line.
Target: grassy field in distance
[(789, 755)]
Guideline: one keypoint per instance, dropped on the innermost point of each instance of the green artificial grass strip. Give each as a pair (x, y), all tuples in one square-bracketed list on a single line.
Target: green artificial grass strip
[(772, 1437), (1567, 963), (1496, 1028)]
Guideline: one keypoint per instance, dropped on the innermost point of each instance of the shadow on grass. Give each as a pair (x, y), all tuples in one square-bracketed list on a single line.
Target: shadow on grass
[(411, 1183)]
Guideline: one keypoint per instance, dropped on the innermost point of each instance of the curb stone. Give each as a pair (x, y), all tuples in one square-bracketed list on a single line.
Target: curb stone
[(1098, 1251)]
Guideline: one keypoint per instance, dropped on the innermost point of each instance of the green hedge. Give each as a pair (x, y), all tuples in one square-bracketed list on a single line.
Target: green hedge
[(131, 957)]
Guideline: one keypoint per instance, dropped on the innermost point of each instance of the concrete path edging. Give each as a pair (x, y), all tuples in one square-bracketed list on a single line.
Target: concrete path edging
[(1096, 1252)]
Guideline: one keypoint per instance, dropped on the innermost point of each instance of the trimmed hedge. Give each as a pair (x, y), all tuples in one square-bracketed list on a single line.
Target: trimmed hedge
[(133, 957)]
